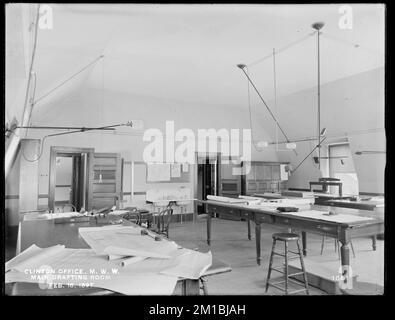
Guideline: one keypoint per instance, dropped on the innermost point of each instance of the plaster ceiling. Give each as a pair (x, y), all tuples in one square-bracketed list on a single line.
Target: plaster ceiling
[(190, 52)]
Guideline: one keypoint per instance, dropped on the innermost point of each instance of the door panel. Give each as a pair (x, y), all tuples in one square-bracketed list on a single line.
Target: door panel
[(276, 172), (267, 172), (107, 187)]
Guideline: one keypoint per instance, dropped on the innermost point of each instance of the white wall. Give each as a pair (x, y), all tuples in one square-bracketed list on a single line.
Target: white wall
[(90, 107), (351, 108)]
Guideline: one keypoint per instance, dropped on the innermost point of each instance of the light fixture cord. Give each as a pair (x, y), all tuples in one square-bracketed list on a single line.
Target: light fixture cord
[(275, 92), (250, 113), (286, 47), (267, 107)]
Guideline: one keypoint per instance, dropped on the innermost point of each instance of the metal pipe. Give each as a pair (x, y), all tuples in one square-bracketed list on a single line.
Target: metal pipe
[(317, 146), (62, 128), (318, 26), (242, 66), (89, 129)]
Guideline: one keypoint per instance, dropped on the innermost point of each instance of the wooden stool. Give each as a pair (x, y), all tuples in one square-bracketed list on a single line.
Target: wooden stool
[(286, 237)]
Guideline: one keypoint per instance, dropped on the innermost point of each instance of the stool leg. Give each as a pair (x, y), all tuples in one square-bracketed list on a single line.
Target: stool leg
[(338, 251), (286, 266), (270, 265), (322, 244), (303, 268)]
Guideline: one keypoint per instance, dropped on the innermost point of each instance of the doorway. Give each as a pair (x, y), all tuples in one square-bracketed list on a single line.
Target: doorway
[(70, 179), (208, 176)]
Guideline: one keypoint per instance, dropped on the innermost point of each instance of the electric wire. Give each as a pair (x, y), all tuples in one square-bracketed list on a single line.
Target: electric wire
[(267, 107), (281, 49), (250, 113), (69, 78), (317, 146)]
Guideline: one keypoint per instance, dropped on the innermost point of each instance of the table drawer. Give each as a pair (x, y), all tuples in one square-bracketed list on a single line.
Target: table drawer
[(224, 210), (246, 214), (309, 226)]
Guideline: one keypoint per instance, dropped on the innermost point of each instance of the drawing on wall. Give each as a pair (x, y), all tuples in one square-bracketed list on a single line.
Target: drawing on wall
[(158, 172), (175, 170)]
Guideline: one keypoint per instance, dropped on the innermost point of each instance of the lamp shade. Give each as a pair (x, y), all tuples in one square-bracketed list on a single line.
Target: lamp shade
[(262, 144)]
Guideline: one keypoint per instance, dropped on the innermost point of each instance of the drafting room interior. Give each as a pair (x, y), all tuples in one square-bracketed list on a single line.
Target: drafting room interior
[(106, 109)]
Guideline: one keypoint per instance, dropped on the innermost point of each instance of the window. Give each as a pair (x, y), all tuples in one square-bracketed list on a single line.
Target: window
[(341, 166)]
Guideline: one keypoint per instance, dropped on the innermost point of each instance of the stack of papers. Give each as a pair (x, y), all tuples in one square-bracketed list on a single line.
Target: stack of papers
[(57, 266), (49, 216), (118, 212), (121, 260), (126, 241), (226, 199)]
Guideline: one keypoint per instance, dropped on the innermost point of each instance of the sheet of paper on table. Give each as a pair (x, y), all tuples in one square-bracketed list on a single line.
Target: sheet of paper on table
[(78, 267), (189, 264), (126, 241), (118, 212), (49, 216), (226, 199), (59, 265), (323, 215)]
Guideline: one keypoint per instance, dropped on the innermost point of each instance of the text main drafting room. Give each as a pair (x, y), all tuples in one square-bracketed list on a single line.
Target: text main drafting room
[(211, 149)]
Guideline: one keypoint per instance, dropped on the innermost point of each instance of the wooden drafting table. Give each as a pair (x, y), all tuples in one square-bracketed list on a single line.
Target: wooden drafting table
[(344, 232), (45, 233)]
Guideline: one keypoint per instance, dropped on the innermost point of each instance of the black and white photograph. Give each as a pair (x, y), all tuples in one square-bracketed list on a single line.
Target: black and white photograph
[(157, 149)]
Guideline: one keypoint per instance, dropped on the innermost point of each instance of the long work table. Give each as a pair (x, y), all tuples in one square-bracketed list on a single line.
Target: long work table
[(343, 231), (46, 233)]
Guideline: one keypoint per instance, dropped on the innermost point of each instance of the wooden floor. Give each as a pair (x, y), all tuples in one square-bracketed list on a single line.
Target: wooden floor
[(231, 245)]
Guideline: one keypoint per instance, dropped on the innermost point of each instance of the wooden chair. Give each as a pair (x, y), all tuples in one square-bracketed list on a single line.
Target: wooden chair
[(163, 222)]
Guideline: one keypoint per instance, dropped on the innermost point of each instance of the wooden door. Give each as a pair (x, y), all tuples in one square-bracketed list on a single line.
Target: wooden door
[(107, 180)]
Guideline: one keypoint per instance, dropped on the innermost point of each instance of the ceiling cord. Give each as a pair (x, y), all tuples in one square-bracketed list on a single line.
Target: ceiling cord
[(282, 49), (250, 114)]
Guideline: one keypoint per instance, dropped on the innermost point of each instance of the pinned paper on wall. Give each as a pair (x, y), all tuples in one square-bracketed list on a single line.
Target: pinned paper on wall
[(283, 172), (158, 172), (175, 170), (185, 167)]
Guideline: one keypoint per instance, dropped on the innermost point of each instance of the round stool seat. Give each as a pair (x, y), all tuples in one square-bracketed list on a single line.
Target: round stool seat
[(285, 236)]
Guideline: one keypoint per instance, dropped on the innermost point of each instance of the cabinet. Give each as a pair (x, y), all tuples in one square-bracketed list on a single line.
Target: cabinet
[(230, 184), (263, 177)]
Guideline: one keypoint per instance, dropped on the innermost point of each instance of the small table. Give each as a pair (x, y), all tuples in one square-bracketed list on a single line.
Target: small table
[(361, 204), (325, 184)]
